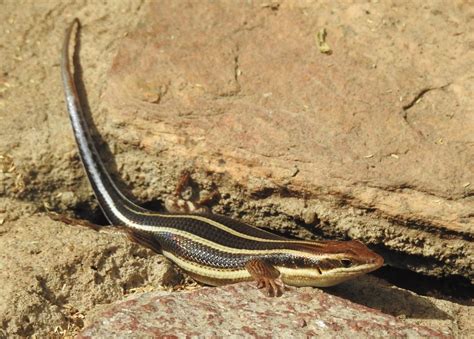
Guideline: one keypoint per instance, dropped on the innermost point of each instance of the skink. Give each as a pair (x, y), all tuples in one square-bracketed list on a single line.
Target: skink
[(214, 249)]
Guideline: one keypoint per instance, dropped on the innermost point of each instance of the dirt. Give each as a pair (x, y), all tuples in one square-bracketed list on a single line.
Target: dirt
[(373, 141), (51, 281)]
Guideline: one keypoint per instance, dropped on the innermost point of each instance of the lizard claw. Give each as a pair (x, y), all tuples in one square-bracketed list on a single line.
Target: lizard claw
[(272, 287)]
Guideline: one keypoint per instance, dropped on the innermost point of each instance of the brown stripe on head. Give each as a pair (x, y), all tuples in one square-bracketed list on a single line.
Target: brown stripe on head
[(333, 254)]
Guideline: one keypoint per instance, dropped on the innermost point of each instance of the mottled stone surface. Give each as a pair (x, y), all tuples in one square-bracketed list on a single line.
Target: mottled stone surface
[(241, 310)]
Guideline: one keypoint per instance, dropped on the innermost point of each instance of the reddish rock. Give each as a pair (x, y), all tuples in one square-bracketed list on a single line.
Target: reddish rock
[(241, 310), (374, 141)]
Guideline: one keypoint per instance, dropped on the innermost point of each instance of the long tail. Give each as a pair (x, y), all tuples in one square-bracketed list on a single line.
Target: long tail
[(117, 208)]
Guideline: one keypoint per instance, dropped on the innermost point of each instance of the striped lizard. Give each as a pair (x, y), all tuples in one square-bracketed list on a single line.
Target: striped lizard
[(214, 249)]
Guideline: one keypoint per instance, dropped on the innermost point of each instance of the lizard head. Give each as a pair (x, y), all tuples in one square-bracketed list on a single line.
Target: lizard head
[(327, 263)]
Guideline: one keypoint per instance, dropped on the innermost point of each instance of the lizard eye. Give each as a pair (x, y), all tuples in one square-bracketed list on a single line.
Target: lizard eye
[(346, 263)]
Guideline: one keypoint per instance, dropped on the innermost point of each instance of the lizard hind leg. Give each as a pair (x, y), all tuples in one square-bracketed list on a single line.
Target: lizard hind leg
[(146, 239), (182, 201)]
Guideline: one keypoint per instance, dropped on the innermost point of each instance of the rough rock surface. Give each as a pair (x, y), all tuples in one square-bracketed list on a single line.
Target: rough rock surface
[(385, 132), (240, 310), (52, 274), (367, 143), (371, 142)]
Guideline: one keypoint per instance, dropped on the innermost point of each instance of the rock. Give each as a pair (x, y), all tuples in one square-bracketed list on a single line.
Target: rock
[(376, 140), (241, 310), (52, 274)]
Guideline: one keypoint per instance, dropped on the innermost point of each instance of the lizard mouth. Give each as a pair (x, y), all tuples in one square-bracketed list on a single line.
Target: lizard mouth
[(318, 278)]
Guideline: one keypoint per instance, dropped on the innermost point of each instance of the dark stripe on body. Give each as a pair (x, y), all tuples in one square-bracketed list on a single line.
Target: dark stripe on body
[(204, 255), (208, 231)]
